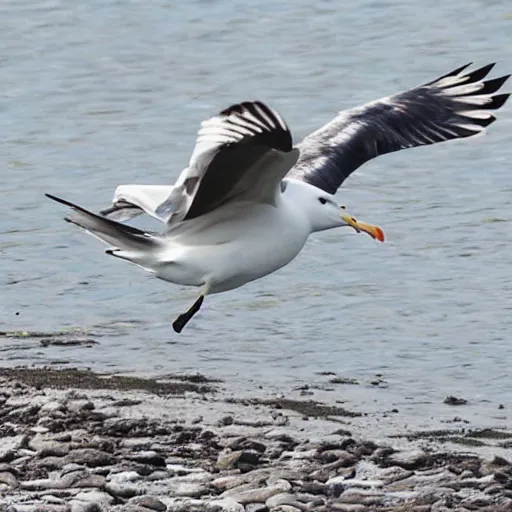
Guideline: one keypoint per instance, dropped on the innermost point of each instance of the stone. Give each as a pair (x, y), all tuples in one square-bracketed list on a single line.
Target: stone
[(284, 498), (241, 459), (261, 494), (90, 457), (149, 502), (350, 507), (229, 481), (123, 490), (39, 484), (84, 506), (82, 479), (314, 487), (189, 489), (412, 459), (476, 502), (227, 505), (94, 496), (247, 444), (147, 457), (394, 474), (7, 478), (8, 447), (365, 484), (124, 476), (361, 496), (344, 458), (256, 507)]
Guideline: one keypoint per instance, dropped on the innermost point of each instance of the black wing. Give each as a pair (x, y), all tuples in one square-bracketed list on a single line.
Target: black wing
[(453, 106), (235, 152)]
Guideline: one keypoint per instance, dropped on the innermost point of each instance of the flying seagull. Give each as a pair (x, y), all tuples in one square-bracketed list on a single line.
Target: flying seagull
[(248, 200), (237, 220)]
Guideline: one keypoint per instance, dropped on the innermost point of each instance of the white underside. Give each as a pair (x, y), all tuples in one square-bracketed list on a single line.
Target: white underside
[(231, 246)]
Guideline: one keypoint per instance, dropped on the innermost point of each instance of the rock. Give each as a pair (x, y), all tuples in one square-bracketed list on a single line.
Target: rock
[(147, 457), (149, 502), (226, 420), (281, 435), (361, 496), (476, 502), (8, 479), (188, 489), (100, 497), (40, 484), (229, 481), (284, 498), (8, 447), (122, 490), (227, 459), (89, 457), (453, 400), (336, 485), (394, 474), (314, 487), (241, 459), (350, 507), (261, 494), (54, 450), (412, 459), (82, 479), (247, 444), (256, 507), (228, 505), (83, 506), (364, 484), (343, 458)]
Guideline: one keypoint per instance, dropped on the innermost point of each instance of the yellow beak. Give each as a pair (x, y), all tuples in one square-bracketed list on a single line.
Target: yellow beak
[(374, 231)]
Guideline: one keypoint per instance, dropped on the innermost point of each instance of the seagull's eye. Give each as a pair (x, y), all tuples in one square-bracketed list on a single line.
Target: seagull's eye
[(322, 200)]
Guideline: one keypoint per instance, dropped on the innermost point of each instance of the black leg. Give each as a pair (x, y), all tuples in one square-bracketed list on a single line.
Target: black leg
[(183, 319)]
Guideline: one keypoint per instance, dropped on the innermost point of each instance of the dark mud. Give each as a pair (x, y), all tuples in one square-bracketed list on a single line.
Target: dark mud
[(84, 379)]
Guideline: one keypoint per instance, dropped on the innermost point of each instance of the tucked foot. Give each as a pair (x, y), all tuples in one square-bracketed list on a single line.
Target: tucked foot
[(184, 318)]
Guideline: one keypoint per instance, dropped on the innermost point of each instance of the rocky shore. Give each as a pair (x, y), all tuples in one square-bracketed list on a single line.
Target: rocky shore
[(74, 441)]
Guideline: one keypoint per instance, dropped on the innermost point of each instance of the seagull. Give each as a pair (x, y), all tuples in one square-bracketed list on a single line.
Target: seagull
[(234, 218), (249, 199)]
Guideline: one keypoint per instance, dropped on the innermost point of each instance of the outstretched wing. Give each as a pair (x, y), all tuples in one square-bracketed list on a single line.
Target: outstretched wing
[(453, 106), (244, 151)]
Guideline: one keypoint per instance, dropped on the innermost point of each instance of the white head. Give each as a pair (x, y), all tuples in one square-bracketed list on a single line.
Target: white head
[(321, 209)]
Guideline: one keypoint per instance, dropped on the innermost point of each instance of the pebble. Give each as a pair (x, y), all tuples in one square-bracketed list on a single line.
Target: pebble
[(284, 498), (149, 502), (412, 459), (256, 507), (121, 490), (261, 494)]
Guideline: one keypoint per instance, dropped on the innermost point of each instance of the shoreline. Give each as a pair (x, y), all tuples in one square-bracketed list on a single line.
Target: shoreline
[(76, 441)]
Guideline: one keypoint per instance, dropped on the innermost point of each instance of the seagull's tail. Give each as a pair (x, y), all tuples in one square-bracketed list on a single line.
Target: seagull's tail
[(128, 242)]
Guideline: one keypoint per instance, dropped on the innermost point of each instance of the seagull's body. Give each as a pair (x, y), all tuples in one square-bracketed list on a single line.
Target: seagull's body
[(232, 247), (248, 200)]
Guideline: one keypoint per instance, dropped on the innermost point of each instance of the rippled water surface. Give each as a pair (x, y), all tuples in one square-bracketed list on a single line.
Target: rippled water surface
[(100, 93)]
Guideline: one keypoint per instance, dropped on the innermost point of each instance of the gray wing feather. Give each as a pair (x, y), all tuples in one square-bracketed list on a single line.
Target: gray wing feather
[(453, 106), (226, 158)]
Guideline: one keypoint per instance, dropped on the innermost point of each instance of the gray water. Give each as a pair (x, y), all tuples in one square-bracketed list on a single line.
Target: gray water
[(98, 93)]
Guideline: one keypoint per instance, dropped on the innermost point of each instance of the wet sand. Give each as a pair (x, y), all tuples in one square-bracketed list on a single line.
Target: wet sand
[(72, 440)]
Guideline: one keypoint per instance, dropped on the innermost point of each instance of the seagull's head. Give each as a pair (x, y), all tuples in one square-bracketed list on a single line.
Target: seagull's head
[(323, 212)]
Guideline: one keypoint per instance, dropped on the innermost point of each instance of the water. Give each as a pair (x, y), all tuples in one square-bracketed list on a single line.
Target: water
[(100, 93)]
